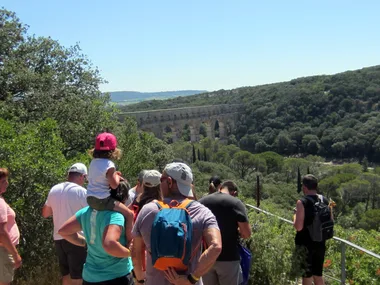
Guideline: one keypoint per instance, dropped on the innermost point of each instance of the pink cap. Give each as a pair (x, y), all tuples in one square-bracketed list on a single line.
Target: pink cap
[(105, 141)]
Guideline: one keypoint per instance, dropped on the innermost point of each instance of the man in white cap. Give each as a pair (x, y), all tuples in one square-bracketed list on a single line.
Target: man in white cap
[(63, 201), (176, 184)]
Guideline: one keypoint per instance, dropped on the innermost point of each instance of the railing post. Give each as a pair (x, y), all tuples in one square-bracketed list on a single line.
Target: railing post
[(343, 263)]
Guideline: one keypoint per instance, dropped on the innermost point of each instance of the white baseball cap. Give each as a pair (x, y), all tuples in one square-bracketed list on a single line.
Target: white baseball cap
[(78, 168), (151, 178), (181, 173)]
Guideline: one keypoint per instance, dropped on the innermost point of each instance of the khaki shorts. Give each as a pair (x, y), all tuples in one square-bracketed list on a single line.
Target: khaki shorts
[(6, 266), (101, 204)]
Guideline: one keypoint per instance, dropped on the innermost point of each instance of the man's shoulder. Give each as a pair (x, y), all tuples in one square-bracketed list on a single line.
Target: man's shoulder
[(150, 207), (209, 198), (76, 187), (199, 209), (57, 188)]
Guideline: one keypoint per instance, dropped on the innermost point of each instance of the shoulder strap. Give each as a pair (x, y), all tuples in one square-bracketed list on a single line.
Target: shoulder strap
[(161, 204), (310, 199), (185, 204), (322, 199)]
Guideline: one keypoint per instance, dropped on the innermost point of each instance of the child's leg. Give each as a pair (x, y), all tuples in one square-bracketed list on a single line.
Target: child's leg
[(111, 204), (128, 215)]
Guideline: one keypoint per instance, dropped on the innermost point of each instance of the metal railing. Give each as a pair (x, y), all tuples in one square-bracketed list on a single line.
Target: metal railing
[(342, 241)]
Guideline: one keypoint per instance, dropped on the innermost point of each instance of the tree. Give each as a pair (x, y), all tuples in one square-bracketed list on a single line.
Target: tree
[(284, 143), (34, 158), (41, 79), (243, 161), (374, 188), (365, 164), (274, 161), (194, 156), (370, 220), (350, 193), (140, 150)]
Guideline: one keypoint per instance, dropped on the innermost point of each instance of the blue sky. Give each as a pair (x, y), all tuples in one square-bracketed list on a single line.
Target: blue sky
[(209, 45)]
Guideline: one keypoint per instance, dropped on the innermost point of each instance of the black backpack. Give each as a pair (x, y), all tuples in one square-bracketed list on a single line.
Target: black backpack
[(322, 227)]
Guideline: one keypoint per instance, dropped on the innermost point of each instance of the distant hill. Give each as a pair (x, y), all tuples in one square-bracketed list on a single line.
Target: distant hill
[(129, 97), (335, 116)]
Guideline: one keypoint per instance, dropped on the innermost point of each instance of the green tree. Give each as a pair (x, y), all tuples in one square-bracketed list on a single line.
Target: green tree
[(351, 193), (242, 162), (140, 150), (34, 158), (41, 79), (273, 160), (370, 220)]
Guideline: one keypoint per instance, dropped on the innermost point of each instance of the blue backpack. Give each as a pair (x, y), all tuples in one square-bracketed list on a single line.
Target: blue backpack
[(171, 236), (245, 263)]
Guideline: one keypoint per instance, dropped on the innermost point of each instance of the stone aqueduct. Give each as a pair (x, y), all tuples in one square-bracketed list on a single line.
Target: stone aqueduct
[(159, 121)]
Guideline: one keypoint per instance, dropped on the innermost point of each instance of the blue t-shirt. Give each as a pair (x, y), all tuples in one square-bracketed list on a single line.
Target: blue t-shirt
[(100, 266)]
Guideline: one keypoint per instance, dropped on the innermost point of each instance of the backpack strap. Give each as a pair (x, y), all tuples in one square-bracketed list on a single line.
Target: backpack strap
[(185, 204), (161, 205), (174, 204), (322, 198), (311, 199)]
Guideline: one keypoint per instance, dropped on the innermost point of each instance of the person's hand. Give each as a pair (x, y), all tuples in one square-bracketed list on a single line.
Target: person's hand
[(176, 279), (119, 173), (17, 261)]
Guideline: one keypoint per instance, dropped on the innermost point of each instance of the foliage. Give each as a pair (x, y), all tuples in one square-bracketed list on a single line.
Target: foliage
[(50, 98), (370, 220), (140, 150), (333, 116), (243, 162), (273, 160), (35, 161), (41, 79)]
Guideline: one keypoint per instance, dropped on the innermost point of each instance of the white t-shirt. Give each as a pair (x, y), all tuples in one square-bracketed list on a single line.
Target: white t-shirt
[(131, 196), (98, 185), (65, 199)]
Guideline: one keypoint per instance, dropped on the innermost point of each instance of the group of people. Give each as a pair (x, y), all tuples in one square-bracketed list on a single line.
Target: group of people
[(112, 234), (109, 233)]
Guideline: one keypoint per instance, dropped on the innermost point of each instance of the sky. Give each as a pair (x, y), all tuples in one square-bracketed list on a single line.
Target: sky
[(166, 45)]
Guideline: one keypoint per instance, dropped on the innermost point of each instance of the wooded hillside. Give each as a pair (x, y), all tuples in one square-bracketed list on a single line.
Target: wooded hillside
[(334, 116)]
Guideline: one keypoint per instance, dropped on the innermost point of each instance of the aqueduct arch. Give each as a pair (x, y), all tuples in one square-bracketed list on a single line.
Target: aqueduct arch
[(156, 121)]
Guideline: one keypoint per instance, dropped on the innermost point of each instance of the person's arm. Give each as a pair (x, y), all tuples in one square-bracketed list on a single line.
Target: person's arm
[(245, 230), (242, 219), (137, 258), (46, 211), (205, 262), (69, 231), (111, 244), (213, 239), (299, 217), (7, 243), (113, 177)]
